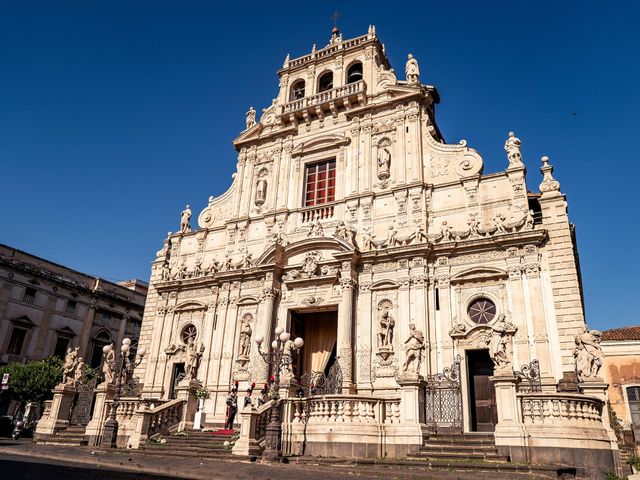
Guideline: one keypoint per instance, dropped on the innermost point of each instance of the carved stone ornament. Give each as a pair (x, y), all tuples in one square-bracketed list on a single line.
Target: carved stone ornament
[(512, 147), (261, 187), (549, 184), (310, 266), (185, 220), (384, 159), (245, 337), (412, 70), (500, 343), (588, 354), (386, 325), (414, 346)]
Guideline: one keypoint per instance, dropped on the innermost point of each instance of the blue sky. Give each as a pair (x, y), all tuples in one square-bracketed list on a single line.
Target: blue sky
[(114, 114)]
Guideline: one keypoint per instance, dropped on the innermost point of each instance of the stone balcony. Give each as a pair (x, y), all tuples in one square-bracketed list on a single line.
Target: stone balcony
[(325, 103)]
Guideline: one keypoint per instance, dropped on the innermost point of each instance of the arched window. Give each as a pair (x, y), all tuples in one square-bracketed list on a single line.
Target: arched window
[(354, 73), (297, 91), (100, 340), (325, 82)]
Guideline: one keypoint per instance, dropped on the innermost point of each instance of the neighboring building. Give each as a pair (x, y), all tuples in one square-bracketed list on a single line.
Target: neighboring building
[(46, 308), (621, 370)]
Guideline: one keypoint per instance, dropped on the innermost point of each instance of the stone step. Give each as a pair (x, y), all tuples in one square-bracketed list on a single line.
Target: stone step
[(188, 453), (461, 456), (458, 448), (172, 450)]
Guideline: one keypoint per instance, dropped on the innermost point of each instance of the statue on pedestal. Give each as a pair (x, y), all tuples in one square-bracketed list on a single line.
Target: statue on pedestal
[(412, 70), (109, 364), (384, 163), (512, 147), (387, 323), (251, 117), (78, 373), (261, 192), (194, 353), (245, 336), (185, 220), (69, 366), (500, 347), (588, 354), (414, 346)]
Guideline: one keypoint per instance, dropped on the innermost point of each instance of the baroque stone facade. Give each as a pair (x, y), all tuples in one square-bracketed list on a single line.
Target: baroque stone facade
[(351, 221)]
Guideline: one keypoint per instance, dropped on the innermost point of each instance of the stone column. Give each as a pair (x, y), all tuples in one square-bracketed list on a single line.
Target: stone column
[(541, 335), (444, 289), (345, 328), (523, 349), (366, 342), (85, 337), (259, 368), (49, 310)]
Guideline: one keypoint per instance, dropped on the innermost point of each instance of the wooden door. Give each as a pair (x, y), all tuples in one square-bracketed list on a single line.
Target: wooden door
[(482, 398)]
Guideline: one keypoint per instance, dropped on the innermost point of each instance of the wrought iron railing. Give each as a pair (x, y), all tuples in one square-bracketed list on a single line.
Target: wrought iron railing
[(443, 399)]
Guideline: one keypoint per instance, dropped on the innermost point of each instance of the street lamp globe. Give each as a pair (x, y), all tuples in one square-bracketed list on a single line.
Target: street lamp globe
[(126, 341), (298, 342), (284, 336), (142, 352), (279, 330), (274, 344), (125, 348), (106, 349), (259, 339)]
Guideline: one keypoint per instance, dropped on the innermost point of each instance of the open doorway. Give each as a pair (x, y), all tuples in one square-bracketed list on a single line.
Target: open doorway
[(482, 395), (319, 330), (176, 376)]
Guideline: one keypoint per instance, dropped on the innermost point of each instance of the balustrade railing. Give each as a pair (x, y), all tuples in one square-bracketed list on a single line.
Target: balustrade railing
[(324, 97), (345, 409), (317, 213), (561, 409), (163, 418)]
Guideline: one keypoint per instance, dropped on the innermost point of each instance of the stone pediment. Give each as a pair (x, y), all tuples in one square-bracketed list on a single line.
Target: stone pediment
[(288, 254), (384, 285), (322, 142), (190, 306), (479, 274)]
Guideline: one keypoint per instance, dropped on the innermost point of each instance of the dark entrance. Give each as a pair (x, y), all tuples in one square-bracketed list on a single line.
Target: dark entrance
[(176, 377), (482, 395)]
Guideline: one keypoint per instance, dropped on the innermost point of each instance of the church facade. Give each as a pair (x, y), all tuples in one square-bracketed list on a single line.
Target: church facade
[(351, 223)]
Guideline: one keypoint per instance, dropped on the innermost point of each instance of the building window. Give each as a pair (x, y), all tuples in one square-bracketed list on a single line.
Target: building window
[(297, 91), (320, 183), (481, 311), (29, 295), (16, 341), (354, 74), (534, 206), (62, 343), (325, 82), (189, 333), (71, 306), (633, 396), (100, 340)]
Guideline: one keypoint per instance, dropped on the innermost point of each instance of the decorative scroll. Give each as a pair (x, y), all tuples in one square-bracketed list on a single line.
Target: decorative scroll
[(529, 375)]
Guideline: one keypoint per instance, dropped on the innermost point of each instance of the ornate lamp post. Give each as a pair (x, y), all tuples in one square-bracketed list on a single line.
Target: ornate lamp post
[(123, 367), (277, 357)]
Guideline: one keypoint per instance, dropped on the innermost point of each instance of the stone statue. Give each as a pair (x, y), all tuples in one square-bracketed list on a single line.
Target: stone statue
[(387, 323), (529, 221), (474, 225), (412, 70), (367, 240), (69, 366), (287, 364), (109, 365), (384, 163), (414, 346), (343, 232), (392, 237), (245, 336), (500, 347), (251, 117), (197, 269), (246, 261), (418, 234), (498, 221), (194, 353), (445, 230), (166, 272), (261, 192), (185, 220), (512, 147), (588, 354), (78, 373), (228, 263), (316, 229)]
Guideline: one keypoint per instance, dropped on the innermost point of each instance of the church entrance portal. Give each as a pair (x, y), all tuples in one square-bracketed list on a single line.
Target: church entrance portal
[(319, 331), (482, 395)]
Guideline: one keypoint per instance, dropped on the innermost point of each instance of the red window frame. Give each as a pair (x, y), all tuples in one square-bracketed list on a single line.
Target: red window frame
[(320, 183)]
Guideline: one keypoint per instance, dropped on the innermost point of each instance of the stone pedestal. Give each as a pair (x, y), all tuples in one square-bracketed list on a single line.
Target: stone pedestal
[(200, 418), (408, 434), (598, 388), (510, 431), (58, 418), (186, 390), (104, 393), (246, 443)]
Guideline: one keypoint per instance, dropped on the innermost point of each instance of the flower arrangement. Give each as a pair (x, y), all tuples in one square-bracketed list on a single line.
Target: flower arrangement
[(202, 393)]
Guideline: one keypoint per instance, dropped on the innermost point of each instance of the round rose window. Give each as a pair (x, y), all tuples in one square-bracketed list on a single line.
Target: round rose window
[(189, 333), (482, 311)]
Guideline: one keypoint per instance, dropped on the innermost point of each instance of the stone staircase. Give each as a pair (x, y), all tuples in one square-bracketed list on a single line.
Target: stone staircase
[(477, 454), (72, 435), (191, 443)]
